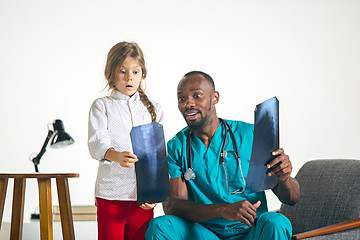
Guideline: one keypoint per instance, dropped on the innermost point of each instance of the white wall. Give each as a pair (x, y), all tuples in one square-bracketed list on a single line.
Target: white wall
[(52, 56)]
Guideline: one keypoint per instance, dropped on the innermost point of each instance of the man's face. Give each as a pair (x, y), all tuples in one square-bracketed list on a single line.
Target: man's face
[(196, 100)]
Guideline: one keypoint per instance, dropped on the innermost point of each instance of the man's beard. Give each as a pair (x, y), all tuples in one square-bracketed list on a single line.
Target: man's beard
[(198, 126)]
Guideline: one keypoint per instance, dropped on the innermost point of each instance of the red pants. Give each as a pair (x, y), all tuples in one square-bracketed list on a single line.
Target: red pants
[(118, 220)]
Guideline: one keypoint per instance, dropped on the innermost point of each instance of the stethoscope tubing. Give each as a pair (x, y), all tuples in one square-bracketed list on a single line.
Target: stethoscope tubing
[(189, 173)]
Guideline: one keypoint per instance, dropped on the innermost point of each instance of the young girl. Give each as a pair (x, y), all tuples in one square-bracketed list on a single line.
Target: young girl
[(110, 122)]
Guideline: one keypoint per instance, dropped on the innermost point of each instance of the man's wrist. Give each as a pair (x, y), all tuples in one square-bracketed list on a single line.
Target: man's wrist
[(284, 181)]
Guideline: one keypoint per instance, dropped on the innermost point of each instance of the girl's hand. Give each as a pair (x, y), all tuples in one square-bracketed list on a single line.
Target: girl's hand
[(148, 206), (127, 159)]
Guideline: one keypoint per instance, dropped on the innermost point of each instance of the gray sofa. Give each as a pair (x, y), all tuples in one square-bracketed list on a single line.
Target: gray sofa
[(329, 195)]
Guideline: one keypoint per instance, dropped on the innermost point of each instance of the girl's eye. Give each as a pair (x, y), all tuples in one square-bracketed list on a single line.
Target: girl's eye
[(122, 71), (136, 72)]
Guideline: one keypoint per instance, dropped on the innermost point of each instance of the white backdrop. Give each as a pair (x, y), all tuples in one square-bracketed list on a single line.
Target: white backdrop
[(52, 57)]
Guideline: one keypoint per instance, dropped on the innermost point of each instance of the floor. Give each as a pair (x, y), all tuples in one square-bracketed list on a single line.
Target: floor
[(84, 230)]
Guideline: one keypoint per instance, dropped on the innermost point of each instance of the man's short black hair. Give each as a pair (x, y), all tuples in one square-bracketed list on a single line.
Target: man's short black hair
[(205, 75)]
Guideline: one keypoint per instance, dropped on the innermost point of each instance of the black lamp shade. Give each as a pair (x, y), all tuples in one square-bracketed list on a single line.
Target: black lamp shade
[(60, 138)]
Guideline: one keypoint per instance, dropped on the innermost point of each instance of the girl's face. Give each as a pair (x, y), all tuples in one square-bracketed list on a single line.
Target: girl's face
[(129, 77)]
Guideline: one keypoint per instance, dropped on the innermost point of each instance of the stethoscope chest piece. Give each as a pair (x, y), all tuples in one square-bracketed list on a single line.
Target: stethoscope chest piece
[(189, 174)]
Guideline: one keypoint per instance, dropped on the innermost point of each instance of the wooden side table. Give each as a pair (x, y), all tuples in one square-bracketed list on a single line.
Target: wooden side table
[(45, 203)]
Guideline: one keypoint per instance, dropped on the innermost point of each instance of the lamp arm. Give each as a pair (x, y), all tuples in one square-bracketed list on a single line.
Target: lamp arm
[(36, 160)]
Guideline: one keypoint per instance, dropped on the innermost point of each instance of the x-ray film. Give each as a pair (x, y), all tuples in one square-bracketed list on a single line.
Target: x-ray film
[(152, 174), (266, 140)]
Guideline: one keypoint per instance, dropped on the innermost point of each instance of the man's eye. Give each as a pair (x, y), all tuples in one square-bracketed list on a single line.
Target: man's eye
[(197, 95), (181, 99)]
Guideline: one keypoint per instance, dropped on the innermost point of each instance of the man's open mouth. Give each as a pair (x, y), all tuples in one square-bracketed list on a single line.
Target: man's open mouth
[(191, 114)]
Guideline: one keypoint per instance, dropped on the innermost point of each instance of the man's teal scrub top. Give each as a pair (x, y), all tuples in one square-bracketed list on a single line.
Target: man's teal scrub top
[(209, 185)]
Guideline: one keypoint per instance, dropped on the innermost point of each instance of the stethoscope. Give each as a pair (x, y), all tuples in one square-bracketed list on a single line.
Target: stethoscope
[(190, 175)]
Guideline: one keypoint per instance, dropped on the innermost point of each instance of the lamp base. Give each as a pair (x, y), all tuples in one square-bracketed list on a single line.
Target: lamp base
[(35, 216)]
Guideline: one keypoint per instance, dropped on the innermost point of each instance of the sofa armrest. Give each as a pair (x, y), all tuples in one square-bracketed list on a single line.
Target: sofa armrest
[(329, 229)]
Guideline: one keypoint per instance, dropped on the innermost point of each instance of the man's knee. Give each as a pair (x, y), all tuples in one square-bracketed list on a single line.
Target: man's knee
[(177, 228), (161, 227), (275, 218), (275, 223)]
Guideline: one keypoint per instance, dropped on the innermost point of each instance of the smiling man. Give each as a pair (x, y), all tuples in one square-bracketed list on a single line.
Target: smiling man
[(209, 199)]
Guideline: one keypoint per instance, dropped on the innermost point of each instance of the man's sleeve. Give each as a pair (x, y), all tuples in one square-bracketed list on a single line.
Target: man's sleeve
[(174, 147)]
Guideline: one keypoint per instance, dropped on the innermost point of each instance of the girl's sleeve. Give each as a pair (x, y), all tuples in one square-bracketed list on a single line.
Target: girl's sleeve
[(159, 113), (98, 138)]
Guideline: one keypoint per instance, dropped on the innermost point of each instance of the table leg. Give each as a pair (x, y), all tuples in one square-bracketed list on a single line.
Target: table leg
[(18, 209), (45, 206), (65, 209), (3, 187)]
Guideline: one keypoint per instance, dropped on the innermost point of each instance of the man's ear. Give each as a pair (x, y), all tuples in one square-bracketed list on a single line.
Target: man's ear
[(216, 97)]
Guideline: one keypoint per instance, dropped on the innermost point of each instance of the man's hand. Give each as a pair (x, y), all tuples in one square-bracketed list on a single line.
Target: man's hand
[(242, 211), (287, 190), (280, 166)]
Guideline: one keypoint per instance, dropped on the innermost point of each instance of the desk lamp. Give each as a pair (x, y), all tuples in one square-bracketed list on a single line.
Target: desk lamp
[(59, 138)]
